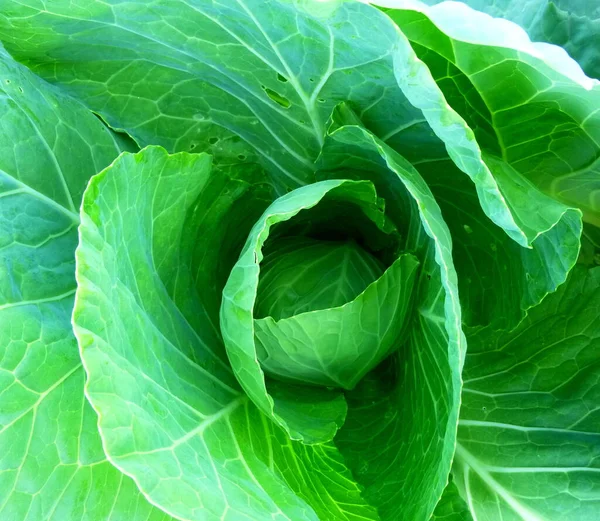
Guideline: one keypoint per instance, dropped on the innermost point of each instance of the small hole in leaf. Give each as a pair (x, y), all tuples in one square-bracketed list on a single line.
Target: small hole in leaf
[(277, 98), (321, 100), (21, 90), (192, 146), (7, 81), (242, 157), (312, 80), (281, 78), (213, 140)]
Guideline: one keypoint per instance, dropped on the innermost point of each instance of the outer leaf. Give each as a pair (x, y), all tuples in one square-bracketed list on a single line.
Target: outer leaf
[(171, 412), (505, 188), (203, 66), (498, 278), (276, 101), (572, 24), (399, 436), (256, 82), (529, 435), (527, 103), (52, 466)]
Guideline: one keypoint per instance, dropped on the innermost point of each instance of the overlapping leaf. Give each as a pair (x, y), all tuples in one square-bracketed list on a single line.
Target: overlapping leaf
[(256, 85), (394, 445), (452, 507), (529, 435), (254, 82), (172, 414), (528, 104), (52, 465), (572, 24)]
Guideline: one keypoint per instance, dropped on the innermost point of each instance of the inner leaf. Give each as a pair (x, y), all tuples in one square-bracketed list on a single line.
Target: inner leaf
[(303, 274)]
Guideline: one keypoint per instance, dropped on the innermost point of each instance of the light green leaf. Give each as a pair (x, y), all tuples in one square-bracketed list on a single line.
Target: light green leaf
[(529, 434), (528, 104), (52, 466), (339, 345), (325, 409), (485, 150), (337, 273), (203, 69), (572, 24), (403, 464), (307, 413), (172, 414)]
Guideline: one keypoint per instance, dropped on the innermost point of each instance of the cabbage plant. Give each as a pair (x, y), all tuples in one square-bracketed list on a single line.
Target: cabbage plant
[(299, 260)]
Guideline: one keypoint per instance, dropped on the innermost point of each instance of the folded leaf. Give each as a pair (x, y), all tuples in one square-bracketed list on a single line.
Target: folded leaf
[(399, 435), (245, 80), (308, 413), (172, 414), (338, 346), (52, 465), (571, 24), (527, 104)]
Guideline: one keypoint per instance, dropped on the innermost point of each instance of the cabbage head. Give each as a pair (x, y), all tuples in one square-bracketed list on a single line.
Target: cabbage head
[(299, 260)]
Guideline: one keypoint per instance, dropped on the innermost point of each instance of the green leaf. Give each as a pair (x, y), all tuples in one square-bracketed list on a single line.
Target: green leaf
[(572, 24), (590, 246), (313, 414), (499, 279), (229, 68), (251, 69), (487, 147), (52, 465), (529, 434), (299, 274), (338, 346), (172, 414), (528, 104), (403, 464), (254, 83), (451, 507)]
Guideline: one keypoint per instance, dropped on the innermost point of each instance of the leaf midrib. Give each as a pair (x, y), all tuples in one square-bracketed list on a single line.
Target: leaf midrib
[(24, 188)]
